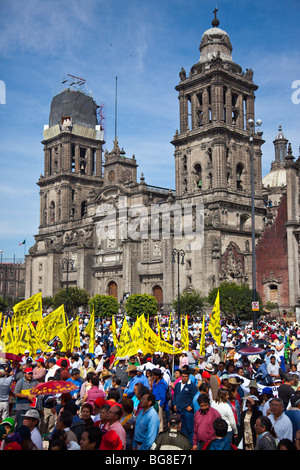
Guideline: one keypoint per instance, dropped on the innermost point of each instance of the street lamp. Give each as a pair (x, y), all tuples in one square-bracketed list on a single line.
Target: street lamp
[(251, 139), (66, 264), (178, 255)]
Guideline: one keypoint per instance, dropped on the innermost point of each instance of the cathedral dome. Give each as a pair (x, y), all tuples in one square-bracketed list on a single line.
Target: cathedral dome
[(79, 107), (215, 43), (275, 179)]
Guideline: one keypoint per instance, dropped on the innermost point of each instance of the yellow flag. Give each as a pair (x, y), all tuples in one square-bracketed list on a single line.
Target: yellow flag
[(8, 340), (90, 330), (169, 328), (114, 331), (28, 310), (185, 335), (126, 344), (24, 340), (202, 340), (214, 326), (36, 342), (54, 323), (70, 336)]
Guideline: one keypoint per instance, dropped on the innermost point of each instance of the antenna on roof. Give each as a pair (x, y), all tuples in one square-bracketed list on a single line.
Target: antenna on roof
[(116, 92)]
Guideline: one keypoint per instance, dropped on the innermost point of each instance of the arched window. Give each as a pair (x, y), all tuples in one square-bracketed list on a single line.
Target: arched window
[(83, 208), (198, 173), (112, 289), (239, 172), (52, 211), (273, 293), (157, 292)]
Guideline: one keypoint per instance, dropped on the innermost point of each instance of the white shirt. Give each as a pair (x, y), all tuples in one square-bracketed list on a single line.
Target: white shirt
[(37, 438)]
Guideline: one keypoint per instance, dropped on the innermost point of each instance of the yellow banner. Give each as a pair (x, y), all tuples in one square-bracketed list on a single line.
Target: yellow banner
[(202, 340), (28, 310), (90, 330), (54, 323), (70, 336), (126, 344), (185, 335), (214, 326), (114, 331)]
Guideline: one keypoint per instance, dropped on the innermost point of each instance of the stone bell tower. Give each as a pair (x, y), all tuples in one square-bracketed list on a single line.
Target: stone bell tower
[(73, 171), (213, 160)]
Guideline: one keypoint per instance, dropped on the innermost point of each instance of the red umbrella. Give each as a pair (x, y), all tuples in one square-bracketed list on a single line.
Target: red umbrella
[(248, 350), (52, 387), (11, 357)]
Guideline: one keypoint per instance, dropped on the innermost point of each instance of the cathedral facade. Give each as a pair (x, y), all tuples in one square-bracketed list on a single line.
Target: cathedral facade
[(103, 230)]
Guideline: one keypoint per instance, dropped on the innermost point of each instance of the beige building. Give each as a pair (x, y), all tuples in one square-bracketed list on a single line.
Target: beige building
[(102, 230)]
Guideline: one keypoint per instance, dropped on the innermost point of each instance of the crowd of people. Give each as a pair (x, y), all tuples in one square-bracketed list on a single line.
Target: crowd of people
[(241, 394)]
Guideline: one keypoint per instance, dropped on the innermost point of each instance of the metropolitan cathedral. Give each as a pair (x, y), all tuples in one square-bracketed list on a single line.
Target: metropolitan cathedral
[(90, 198)]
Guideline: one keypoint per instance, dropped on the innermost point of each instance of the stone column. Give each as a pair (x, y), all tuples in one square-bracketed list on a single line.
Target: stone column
[(205, 104), (183, 110)]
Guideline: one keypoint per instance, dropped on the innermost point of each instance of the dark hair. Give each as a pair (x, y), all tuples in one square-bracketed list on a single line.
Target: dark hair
[(265, 423), (88, 406), (116, 380), (58, 443), (113, 394), (65, 417), (72, 407), (64, 363), (220, 427), (290, 445), (204, 387), (127, 405), (94, 435), (203, 399), (90, 375), (151, 397), (95, 380)]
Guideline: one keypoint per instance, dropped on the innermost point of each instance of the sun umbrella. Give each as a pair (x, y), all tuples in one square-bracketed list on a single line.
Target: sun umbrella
[(52, 387), (11, 357), (261, 342), (247, 351)]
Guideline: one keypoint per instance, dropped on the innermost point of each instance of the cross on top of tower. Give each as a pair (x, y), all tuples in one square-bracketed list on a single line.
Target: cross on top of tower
[(215, 22)]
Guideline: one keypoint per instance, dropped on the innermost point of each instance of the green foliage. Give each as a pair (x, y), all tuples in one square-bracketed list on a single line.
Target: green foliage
[(72, 298), (47, 302), (139, 304), (235, 300), (3, 305), (104, 305), (191, 303)]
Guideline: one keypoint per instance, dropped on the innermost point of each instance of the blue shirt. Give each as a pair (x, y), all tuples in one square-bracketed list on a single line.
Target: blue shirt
[(129, 390), (160, 391), (146, 428)]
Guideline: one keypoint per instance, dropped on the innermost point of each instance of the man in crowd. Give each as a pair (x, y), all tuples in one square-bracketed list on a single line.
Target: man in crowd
[(147, 423), (184, 392)]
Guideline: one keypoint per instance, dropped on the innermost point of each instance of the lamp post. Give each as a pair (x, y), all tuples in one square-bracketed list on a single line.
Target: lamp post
[(66, 264), (178, 255), (251, 139)]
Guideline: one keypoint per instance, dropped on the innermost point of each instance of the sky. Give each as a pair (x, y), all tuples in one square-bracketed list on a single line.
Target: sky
[(144, 44)]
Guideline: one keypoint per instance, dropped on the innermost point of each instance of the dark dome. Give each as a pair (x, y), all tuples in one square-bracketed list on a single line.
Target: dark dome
[(81, 108)]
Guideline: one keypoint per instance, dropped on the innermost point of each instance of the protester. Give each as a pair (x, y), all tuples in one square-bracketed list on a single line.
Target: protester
[(203, 422), (184, 392), (281, 422), (172, 439), (147, 424), (266, 437)]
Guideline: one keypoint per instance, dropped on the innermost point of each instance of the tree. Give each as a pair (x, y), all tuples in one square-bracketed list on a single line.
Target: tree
[(235, 300), (191, 303), (139, 304), (72, 298), (47, 302), (3, 304), (104, 305)]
